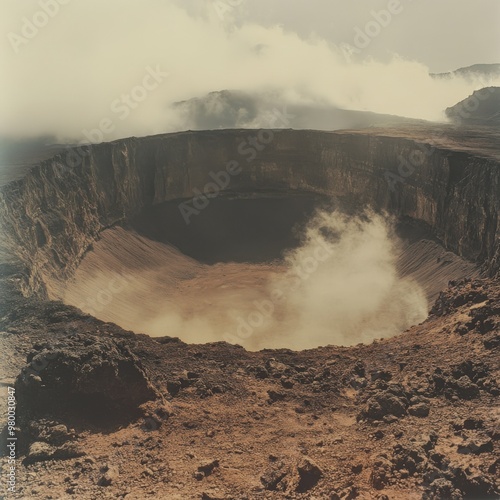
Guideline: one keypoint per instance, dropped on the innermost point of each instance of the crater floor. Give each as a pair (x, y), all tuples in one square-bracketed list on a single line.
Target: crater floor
[(213, 280)]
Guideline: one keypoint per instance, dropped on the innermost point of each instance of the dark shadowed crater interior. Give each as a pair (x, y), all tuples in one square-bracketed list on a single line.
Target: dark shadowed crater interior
[(255, 228)]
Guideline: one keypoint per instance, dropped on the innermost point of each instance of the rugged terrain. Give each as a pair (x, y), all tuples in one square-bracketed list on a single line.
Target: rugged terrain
[(103, 412)]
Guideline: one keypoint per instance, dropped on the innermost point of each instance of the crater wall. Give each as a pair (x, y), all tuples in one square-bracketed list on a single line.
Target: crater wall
[(51, 217)]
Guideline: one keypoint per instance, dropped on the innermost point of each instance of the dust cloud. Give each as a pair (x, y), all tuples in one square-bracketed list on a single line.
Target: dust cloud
[(340, 286), (346, 288)]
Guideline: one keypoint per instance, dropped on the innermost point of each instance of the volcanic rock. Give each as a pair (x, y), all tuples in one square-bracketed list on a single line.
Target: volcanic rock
[(91, 378)]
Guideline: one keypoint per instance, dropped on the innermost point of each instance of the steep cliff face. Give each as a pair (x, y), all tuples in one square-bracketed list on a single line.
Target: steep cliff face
[(51, 217)]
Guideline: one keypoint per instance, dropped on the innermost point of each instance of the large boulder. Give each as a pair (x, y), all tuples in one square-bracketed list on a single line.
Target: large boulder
[(88, 374), (386, 399)]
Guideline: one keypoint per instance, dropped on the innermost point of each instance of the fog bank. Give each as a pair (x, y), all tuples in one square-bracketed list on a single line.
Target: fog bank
[(97, 71)]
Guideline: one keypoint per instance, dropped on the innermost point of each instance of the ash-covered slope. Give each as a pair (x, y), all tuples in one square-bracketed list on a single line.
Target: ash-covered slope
[(446, 178)]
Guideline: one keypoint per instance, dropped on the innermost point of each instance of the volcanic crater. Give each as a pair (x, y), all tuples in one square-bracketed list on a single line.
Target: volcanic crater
[(132, 236)]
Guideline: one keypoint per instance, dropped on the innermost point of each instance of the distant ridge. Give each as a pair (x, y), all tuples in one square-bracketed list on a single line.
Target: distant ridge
[(238, 109), (476, 70)]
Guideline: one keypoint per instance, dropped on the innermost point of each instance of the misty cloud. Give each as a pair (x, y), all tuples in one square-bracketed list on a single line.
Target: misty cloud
[(90, 54)]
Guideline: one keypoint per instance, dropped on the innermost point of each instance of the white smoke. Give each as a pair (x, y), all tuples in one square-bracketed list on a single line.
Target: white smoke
[(340, 287), (347, 289), (84, 73)]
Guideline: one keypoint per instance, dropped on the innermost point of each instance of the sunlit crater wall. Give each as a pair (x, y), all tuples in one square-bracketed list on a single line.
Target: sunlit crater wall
[(51, 217)]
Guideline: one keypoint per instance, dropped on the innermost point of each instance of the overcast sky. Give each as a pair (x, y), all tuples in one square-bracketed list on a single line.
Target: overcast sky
[(442, 34), (72, 70)]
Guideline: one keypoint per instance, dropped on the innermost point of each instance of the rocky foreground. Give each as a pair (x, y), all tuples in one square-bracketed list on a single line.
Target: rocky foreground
[(105, 413)]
